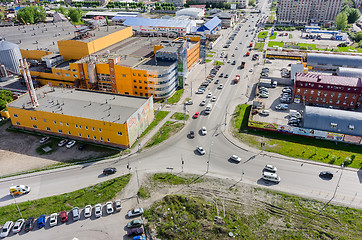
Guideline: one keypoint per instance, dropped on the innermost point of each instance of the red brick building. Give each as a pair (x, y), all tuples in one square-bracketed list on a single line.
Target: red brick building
[(327, 90)]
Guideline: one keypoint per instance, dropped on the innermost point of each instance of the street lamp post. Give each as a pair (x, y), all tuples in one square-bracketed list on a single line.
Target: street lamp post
[(208, 161), (17, 206)]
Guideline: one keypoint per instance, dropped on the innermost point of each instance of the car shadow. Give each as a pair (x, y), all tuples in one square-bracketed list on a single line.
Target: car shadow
[(263, 182), (232, 161), (198, 153), (325, 178), (6, 198), (102, 175)]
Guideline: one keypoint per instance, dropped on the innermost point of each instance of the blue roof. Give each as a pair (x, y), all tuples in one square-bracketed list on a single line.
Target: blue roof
[(210, 25), (321, 118), (149, 22)]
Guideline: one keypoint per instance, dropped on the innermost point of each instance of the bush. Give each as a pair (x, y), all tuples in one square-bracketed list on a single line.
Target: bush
[(347, 161)]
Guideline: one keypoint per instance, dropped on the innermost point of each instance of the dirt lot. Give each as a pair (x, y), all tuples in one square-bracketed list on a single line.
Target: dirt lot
[(18, 152)]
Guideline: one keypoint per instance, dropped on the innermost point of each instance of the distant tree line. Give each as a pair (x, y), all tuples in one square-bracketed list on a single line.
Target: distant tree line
[(31, 14), (221, 5)]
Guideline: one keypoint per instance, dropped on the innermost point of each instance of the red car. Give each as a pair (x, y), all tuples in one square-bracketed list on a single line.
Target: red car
[(63, 216), (196, 115)]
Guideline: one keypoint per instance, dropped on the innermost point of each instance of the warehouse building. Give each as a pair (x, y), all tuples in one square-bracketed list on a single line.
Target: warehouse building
[(325, 61), (211, 26), (98, 117), (193, 13), (349, 72), (327, 90)]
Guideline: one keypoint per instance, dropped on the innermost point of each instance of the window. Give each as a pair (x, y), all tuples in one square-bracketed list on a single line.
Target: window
[(17, 123), (298, 90), (339, 95), (332, 94), (317, 99), (337, 102), (69, 132), (140, 87), (80, 126), (135, 86), (146, 88), (351, 127), (86, 127), (101, 139), (93, 128), (346, 96), (48, 128), (123, 75), (59, 74), (139, 81), (61, 123), (74, 70), (31, 118), (55, 122), (119, 133), (94, 137), (139, 75), (76, 125), (134, 74), (67, 124), (333, 125), (67, 74), (79, 134), (352, 103), (108, 140), (88, 136), (100, 129), (319, 93), (35, 126), (134, 80), (34, 118), (60, 131), (354, 96), (75, 75), (45, 120), (15, 115), (145, 82)]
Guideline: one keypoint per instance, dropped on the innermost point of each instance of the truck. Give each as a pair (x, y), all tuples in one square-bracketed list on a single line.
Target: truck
[(236, 79), (242, 65), (208, 108), (267, 82)]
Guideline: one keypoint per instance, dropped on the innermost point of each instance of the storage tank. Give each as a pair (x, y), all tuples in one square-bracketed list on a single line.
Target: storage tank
[(10, 56)]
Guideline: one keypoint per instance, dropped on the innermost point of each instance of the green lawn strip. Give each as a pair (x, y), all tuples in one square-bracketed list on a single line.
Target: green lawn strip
[(310, 46), (176, 96), (218, 63), (275, 44), (263, 34), (166, 131), (294, 145), (144, 192), (349, 49), (99, 193), (207, 60), (172, 179), (277, 214), (259, 46), (209, 55), (180, 116), (158, 118), (212, 52), (274, 36), (290, 36)]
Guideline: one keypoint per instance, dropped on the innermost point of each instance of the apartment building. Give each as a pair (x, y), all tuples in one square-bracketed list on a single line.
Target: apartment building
[(308, 11), (327, 90)]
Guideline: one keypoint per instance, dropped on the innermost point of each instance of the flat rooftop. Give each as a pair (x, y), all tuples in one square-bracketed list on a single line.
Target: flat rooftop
[(82, 103), (42, 36), (95, 34), (329, 79)]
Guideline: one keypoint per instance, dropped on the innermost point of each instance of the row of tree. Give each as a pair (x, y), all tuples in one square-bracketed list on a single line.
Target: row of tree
[(6, 96), (32, 14), (74, 14), (347, 15), (220, 5)]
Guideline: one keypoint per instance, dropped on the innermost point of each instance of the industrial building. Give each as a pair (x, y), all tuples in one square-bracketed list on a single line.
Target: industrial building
[(98, 117), (9, 57), (308, 11), (227, 19), (329, 61), (211, 26), (349, 72), (193, 13), (327, 90), (333, 120)]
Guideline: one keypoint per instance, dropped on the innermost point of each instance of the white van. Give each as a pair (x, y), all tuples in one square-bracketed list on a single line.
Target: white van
[(273, 177), (208, 108)]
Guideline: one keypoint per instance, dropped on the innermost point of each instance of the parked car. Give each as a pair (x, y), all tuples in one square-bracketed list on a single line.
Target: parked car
[(226, 76), (82, 147), (135, 212), (63, 216), (44, 139), (6, 229), (76, 215), (53, 220), (18, 225), (287, 90), (196, 115), (221, 75), (217, 81), (41, 221), (98, 210), (19, 190), (213, 99), (108, 171), (264, 95), (135, 223), (118, 205), (235, 158), (109, 207), (265, 112), (203, 102), (233, 63), (281, 107), (62, 142), (135, 231), (192, 134), (29, 224), (70, 144), (203, 131), (88, 211), (189, 102), (200, 150), (139, 238), (326, 174), (270, 168), (220, 86)]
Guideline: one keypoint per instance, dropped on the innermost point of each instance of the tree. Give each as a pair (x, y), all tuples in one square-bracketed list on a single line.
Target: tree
[(353, 15), (341, 21), (2, 15), (74, 15), (61, 10), (360, 44), (6, 96), (31, 14), (358, 36)]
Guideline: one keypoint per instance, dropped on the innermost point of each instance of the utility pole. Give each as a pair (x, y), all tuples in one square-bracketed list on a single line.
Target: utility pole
[(208, 161), (182, 163), (17, 206)]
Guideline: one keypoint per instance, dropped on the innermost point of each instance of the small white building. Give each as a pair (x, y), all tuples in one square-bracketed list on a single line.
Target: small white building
[(193, 13)]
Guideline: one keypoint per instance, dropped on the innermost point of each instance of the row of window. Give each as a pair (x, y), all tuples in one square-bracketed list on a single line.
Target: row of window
[(327, 86), (66, 74), (350, 126), (325, 94), (317, 99)]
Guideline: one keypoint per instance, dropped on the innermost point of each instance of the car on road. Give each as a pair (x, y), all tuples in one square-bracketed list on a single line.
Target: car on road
[(326, 174), (135, 212), (221, 75), (6, 229), (229, 61), (217, 81), (226, 76), (189, 102), (98, 210), (29, 224), (270, 168), (76, 215), (196, 115), (220, 86), (70, 144), (110, 170), (62, 142), (235, 158), (18, 225), (19, 190), (63, 216), (233, 63), (44, 139), (199, 91), (251, 70), (203, 102), (236, 48), (203, 131), (135, 231), (53, 219), (213, 99), (118, 205), (200, 150), (209, 95), (192, 134), (41, 221), (265, 112), (135, 223), (109, 207), (88, 211), (264, 95), (271, 177)]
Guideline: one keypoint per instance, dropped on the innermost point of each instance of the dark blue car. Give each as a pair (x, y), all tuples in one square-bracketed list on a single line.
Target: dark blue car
[(41, 221)]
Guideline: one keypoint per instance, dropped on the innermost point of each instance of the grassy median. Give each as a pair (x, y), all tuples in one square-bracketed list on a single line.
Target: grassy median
[(166, 131), (99, 193)]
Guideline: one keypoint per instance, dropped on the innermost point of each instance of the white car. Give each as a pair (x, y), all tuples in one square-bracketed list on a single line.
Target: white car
[(229, 61), (220, 86), (6, 229), (44, 139), (135, 212), (88, 211), (18, 225), (118, 205), (209, 95), (213, 99), (265, 112), (251, 70), (62, 142), (53, 220), (70, 144), (109, 206), (203, 102), (235, 158), (203, 131), (270, 168), (189, 102), (98, 210), (200, 150)]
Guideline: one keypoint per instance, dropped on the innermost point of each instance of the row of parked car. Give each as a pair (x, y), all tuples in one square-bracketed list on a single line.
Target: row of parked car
[(64, 142)]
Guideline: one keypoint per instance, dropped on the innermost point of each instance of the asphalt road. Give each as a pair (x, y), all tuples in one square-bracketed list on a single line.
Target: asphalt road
[(297, 177)]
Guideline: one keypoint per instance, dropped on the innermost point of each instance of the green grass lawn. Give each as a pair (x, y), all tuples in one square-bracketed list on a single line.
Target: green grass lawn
[(274, 43), (180, 116), (218, 63), (290, 36), (347, 49), (294, 145), (207, 60), (209, 55), (166, 131), (259, 46), (99, 193), (175, 97), (274, 36), (263, 34), (310, 46), (212, 52), (158, 118)]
